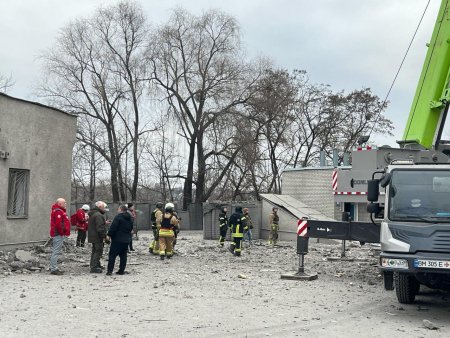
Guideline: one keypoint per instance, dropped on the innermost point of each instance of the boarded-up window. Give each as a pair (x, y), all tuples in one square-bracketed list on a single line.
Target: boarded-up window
[(18, 193)]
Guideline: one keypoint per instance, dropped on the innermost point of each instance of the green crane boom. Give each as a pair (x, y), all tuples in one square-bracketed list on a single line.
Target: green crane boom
[(429, 108)]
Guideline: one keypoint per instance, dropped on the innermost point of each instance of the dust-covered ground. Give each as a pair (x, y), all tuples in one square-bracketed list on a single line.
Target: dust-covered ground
[(204, 291)]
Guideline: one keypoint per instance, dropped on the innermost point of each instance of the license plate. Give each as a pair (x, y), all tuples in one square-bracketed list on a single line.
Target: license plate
[(425, 263)]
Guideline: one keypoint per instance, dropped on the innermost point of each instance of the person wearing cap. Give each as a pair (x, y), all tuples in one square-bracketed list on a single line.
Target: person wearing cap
[(274, 223), (80, 221), (417, 209), (169, 224), (97, 234)]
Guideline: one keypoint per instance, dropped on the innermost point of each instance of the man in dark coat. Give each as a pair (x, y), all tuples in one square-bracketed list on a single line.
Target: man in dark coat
[(97, 234), (120, 234)]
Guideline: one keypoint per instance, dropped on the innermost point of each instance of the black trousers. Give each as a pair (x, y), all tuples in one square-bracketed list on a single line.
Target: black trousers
[(81, 237), (131, 244), (155, 232), (223, 233), (97, 253), (235, 246), (117, 249)]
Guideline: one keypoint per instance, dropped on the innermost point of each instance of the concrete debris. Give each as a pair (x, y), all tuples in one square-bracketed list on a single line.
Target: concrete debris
[(203, 273), (429, 325), (23, 256), (17, 265)]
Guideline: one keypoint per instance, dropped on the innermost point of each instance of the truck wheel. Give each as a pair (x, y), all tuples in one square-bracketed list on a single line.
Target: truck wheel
[(406, 287)]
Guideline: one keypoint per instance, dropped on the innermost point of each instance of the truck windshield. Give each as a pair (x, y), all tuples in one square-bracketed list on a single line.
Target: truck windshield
[(419, 196)]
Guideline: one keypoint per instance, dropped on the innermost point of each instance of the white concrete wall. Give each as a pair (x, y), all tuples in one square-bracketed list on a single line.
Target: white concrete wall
[(39, 139), (288, 223), (312, 186)]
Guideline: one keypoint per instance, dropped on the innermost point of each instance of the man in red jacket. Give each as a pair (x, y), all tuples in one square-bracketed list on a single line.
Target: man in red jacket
[(59, 227), (81, 224)]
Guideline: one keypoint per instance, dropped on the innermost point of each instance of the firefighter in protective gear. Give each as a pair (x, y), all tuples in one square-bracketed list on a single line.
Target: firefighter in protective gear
[(249, 223), (223, 223), (176, 230), (169, 224), (156, 217), (238, 226), (274, 221)]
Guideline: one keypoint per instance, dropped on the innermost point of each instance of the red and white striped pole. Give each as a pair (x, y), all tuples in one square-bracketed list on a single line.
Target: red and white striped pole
[(334, 180), (302, 227)]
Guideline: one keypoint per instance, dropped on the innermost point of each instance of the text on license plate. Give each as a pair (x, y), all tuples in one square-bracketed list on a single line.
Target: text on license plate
[(425, 263)]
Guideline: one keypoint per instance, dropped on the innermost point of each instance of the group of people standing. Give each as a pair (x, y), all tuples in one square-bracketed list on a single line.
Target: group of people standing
[(240, 225), (93, 225)]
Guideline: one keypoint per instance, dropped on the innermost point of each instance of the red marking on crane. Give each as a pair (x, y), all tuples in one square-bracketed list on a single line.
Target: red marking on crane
[(365, 148), (350, 192)]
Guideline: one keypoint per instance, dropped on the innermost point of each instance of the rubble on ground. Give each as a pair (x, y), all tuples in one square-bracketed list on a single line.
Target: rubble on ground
[(210, 289), (360, 264)]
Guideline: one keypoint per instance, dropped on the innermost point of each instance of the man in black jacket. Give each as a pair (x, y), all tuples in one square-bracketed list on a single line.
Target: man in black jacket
[(120, 234)]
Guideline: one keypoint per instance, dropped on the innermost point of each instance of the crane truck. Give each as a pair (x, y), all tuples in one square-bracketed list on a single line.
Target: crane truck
[(410, 214), (415, 225)]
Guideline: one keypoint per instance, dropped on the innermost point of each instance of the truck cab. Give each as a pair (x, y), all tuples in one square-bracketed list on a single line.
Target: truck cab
[(415, 231)]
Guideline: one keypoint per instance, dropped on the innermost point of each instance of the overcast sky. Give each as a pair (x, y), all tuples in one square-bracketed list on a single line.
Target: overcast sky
[(349, 44)]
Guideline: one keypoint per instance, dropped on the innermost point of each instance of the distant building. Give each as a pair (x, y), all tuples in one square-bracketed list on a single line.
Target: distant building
[(312, 186), (36, 144)]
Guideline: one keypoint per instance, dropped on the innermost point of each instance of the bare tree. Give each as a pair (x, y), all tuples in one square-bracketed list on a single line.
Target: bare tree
[(273, 106), (87, 165), (165, 159), (95, 70), (197, 62), (351, 116), (6, 83)]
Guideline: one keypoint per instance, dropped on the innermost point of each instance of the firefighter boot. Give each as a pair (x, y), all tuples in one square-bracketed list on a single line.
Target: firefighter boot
[(231, 248)]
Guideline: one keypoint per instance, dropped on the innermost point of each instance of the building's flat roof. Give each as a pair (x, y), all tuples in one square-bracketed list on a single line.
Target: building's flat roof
[(295, 207), (37, 104), (316, 168)]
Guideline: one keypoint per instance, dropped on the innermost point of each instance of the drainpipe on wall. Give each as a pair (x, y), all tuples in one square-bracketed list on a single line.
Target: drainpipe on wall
[(346, 160), (322, 158), (335, 158)]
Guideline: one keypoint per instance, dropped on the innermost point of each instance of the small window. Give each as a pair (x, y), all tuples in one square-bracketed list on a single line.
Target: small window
[(18, 193)]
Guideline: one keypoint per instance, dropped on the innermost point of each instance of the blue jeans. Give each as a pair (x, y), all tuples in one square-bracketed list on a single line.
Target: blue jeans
[(57, 244), (248, 235)]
